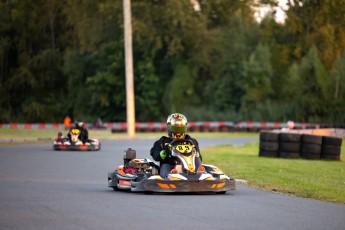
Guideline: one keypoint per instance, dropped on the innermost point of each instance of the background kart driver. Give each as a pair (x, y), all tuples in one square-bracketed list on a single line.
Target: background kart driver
[(84, 134)]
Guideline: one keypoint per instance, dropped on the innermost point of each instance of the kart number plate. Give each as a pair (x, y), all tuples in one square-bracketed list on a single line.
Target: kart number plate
[(125, 182), (75, 131), (184, 148)]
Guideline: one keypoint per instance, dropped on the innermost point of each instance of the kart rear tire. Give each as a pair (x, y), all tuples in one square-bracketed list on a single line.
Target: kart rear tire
[(115, 188)]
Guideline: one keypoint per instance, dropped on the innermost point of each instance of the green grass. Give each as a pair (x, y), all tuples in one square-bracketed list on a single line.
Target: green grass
[(317, 179)]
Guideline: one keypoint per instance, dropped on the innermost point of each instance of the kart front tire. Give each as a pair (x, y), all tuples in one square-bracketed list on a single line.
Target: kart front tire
[(221, 192)]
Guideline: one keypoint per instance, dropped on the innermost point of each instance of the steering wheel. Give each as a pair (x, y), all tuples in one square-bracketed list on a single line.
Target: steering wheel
[(181, 140)]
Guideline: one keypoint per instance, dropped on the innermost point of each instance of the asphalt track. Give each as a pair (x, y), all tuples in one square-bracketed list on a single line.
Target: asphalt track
[(45, 189)]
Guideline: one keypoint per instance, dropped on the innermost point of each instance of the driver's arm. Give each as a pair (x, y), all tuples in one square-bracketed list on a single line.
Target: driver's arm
[(196, 144), (86, 134), (156, 149)]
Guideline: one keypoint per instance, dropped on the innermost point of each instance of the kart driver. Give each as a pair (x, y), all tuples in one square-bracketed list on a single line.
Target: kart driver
[(84, 134), (161, 150)]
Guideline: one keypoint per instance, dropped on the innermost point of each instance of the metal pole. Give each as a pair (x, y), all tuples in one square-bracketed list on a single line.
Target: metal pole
[(129, 69)]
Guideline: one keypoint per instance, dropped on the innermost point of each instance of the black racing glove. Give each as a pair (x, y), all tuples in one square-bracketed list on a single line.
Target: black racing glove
[(167, 148)]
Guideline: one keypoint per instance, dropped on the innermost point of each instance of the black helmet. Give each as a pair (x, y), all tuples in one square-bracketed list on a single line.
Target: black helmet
[(177, 126), (79, 123)]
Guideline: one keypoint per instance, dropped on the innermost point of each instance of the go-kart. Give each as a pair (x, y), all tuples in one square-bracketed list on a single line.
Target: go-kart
[(142, 174), (73, 143)]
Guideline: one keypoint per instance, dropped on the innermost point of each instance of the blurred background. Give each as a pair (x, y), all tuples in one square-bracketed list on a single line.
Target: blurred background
[(211, 60)]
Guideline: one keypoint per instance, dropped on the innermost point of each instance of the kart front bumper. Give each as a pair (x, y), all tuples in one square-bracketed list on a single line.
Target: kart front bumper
[(77, 147), (183, 186)]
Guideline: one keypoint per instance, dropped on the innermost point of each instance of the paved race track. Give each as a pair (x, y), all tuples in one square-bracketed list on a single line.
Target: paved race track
[(45, 189)]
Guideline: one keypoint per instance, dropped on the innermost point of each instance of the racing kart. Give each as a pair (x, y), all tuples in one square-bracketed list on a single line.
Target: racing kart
[(73, 143), (142, 174)]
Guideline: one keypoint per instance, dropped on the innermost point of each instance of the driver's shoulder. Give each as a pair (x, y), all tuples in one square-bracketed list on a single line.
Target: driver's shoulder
[(188, 137), (165, 139)]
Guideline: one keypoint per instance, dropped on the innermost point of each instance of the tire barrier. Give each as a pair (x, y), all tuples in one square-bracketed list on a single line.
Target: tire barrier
[(311, 146), (293, 145), (331, 148), (269, 145), (290, 145)]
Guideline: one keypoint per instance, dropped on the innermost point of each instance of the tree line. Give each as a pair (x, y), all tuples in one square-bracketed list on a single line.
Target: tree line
[(208, 59)]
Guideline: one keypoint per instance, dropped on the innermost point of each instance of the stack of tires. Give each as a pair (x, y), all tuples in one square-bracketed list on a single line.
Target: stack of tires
[(331, 148), (290, 145), (295, 145), (311, 147), (269, 144)]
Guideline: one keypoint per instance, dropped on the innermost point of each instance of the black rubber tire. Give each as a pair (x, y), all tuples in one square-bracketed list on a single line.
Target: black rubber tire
[(313, 139), (290, 137), (311, 148), (328, 140), (269, 136), (265, 153), (221, 192), (148, 192), (290, 147), (115, 188), (289, 155), (269, 146), (311, 156), (330, 150), (330, 157)]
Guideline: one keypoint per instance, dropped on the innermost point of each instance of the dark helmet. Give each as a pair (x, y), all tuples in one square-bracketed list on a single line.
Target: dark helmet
[(177, 126), (79, 123)]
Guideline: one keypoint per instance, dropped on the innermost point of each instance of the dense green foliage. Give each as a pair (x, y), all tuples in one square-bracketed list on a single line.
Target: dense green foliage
[(66, 57)]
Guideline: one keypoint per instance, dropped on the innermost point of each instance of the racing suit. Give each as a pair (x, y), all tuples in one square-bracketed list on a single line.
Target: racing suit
[(84, 134), (167, 164)]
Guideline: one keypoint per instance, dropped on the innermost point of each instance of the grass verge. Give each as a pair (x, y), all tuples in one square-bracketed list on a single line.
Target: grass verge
[(317, 179)]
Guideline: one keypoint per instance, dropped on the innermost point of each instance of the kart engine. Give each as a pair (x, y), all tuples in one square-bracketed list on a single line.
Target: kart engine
[(132, 165), (140, 165)]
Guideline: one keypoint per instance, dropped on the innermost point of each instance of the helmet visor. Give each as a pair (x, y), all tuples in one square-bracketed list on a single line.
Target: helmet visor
[(178, 129)]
